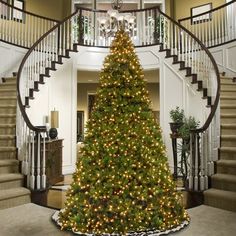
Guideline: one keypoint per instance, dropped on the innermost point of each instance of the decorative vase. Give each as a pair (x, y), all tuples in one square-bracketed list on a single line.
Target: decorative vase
[(53, 133), (175, 127)]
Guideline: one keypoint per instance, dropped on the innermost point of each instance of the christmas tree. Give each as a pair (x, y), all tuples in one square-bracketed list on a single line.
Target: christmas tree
[(122, 182)]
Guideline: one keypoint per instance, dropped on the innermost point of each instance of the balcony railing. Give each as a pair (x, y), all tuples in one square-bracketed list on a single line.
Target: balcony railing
[(214, 27), (20, 27)]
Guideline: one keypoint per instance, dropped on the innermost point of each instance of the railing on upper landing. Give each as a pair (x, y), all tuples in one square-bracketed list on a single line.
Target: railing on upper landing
[(152, 27), (22, 28), (214, 27)]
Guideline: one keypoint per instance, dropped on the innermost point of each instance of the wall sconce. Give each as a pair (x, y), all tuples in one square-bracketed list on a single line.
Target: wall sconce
[(54, 124)]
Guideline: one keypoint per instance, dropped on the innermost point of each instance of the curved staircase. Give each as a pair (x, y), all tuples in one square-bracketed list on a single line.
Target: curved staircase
[(223, 191), (12, 192)]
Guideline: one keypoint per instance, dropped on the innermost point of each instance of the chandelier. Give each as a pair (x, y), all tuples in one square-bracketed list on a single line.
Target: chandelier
[(108, 25)]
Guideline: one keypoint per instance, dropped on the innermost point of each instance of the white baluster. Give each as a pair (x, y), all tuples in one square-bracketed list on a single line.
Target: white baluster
[(190, 182), (32, 176), (38, 184), (196, 164), (43, 166)]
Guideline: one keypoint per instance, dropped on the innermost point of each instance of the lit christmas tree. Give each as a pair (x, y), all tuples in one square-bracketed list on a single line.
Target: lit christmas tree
[(122, 182)]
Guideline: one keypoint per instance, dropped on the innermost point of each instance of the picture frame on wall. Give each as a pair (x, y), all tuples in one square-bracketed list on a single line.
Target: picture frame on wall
[(17, 15), (195, 11), (80, 126)]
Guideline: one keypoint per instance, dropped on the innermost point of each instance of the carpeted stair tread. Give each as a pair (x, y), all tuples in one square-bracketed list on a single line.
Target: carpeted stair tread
[(7, 125), (7, 97), (228, 106), (7, 89), (228, 136), (9, 162), (232, 89), (228, 149), (229, 163), (228, 126), (228, 195), (9, 136), (228, 97), (228, 115), (7, 149), (224, 177), (13, 192), (10, 177), (7, 106), (8, 115)]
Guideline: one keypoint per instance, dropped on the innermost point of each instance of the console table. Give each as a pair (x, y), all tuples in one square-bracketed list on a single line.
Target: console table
[(54, 160)]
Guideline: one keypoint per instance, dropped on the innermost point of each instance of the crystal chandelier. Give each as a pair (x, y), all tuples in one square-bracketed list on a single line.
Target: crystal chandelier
[(114, 20)]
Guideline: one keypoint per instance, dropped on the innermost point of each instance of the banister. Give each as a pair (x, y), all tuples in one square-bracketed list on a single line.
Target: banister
[(206, 12), (22, 108), (29, 13), (217, 98)]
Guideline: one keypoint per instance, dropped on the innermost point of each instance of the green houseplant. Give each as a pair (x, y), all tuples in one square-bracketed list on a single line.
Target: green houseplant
[(184, 132), (177, 117)]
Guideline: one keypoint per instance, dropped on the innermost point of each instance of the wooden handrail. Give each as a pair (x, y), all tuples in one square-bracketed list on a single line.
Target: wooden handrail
[(210, 11), (22, 108), (29, 13), (217, 98)]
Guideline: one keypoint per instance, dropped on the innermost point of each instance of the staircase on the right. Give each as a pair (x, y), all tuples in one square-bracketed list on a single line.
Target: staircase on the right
[(222, 193)]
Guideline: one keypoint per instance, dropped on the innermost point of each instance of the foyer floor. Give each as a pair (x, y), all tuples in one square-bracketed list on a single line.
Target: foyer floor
[(34, 220)]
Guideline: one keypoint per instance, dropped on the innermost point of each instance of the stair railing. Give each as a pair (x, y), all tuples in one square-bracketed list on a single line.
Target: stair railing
[(42, 57), (214, 27), (187, 50), (152, 27), (22, 28)]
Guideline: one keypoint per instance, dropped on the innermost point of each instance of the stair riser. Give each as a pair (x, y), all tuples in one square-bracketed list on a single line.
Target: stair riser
[(16, 201), (9, 169), (228, 155), (7, 143), (8, 86), (7, 93), (7, 101), (227, 101), (226, 170), (225, 131), (229, 85), (228, 142), (228, 93), (227, 186), (7, 110), (10, 80), (228, 110), (7, 155), (11, 184), (228, 120), (225, 80), (7, 131), (7, 120), (226, 204)]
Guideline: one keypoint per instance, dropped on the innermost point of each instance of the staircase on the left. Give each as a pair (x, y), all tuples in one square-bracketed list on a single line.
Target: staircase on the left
[(12, 192)]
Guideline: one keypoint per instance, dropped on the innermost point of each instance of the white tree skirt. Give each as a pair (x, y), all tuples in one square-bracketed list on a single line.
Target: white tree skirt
[(147, 232)]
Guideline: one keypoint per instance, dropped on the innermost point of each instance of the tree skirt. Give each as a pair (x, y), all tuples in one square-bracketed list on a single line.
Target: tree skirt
[(55, 218)]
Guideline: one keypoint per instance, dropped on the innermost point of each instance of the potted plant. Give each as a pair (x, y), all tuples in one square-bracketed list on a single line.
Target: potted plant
[(186, 127), (177, 117), (184, 148)]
